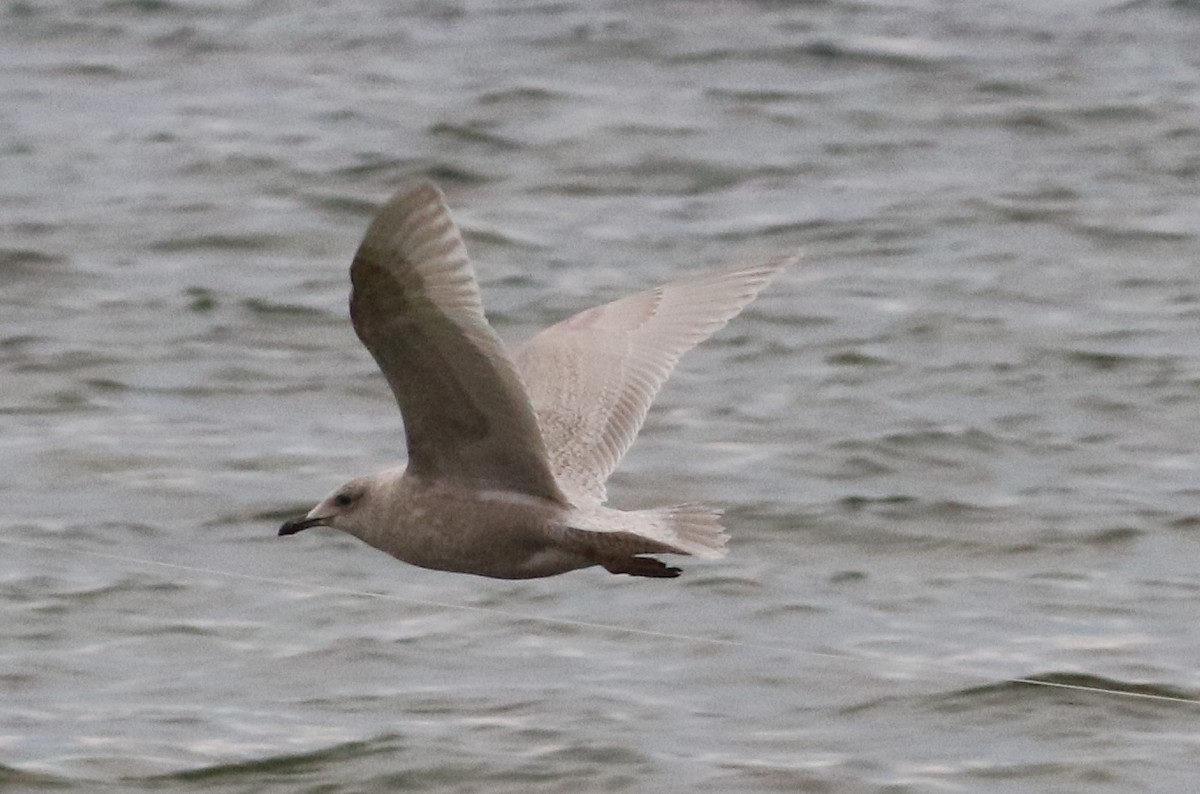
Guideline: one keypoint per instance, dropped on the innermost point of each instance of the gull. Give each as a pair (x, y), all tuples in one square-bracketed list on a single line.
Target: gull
[(508, 454)]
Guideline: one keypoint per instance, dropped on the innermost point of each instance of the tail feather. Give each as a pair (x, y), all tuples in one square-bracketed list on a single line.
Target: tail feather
[(683, 529), (691, 528)]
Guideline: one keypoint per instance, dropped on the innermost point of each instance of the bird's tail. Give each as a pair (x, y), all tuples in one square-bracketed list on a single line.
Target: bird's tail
[(683, 529), (693, 529)]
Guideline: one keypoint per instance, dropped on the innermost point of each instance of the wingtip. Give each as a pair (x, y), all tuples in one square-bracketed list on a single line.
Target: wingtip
[(794, 258), (412, 207), (757, 275), (417, 192), (769, 267), (777, 264)]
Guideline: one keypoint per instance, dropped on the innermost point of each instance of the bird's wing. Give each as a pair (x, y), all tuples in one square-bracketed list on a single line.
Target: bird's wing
[(416, 307), (593, 376)]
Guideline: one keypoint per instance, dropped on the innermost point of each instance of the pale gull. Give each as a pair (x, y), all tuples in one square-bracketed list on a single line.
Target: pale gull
[(508, 455)]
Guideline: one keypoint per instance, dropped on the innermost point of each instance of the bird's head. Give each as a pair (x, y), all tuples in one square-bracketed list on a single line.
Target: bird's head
[(345, 509)]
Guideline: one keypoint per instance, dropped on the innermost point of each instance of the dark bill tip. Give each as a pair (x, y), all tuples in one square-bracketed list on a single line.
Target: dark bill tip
[(292, 527)]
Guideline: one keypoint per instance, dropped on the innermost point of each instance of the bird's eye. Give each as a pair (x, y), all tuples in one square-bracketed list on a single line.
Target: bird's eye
[(343, 500)]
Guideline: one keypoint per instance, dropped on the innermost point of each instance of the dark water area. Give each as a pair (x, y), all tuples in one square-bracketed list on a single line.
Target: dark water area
[(957, 446)]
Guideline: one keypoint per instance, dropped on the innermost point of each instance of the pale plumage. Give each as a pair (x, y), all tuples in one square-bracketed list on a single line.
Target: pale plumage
[(508, 456), (592, 377)]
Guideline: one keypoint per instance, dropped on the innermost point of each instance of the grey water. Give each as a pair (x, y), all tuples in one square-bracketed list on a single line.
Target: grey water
[(959, 445)]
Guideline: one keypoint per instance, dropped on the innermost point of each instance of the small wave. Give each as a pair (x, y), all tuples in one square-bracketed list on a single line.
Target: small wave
[(855, 503), (1113, 536), (763, 95), (1169, 230), (469, 133), (398, 170), (520, 95), (892, 51), (1057, 686), (27, 261), (200, 299), (1104, 361), (92, 71), (855, 358), (143, 6), (1006, 88), (927, 441), (445, 173), (911, 508), (814, 229), (674, 176), (68, 361), (120, 588), (265, 307), (658, 176), (341, 205), (1044, 206), (289, 764), (224, 242), (12, 779), (378, 167), (494, 235), (887, 50)]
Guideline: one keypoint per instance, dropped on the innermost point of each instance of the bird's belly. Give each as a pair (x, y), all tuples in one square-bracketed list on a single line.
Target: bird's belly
[(489, 533)]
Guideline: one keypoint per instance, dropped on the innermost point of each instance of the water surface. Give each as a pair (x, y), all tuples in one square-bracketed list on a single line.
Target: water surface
[(957, 447)]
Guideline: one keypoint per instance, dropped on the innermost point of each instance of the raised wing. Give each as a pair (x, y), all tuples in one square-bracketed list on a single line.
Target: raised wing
[(416, 307), (592, 377)]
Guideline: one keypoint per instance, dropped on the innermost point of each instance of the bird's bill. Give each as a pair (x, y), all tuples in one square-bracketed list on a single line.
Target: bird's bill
[(292, 527)]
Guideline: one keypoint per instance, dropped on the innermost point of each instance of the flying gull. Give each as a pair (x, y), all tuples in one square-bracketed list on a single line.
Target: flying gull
[(508, 454)]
